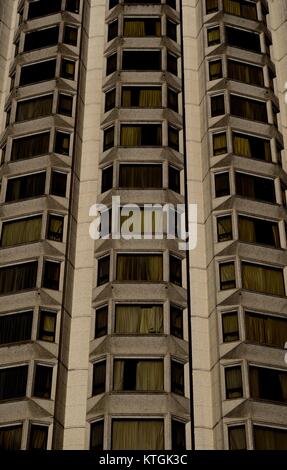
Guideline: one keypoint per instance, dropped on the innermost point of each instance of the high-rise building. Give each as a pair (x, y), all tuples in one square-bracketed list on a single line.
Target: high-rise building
[(119, 343)]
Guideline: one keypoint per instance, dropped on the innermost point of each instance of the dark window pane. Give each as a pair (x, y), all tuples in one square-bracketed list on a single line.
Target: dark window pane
[(237, 437), (176, 321), (260, 380), (224, 228), (246, 73), (141, 60), (97, 435), (25, 186), (264, 279), (113, 30), (141, 267), (173, 138), (171, 29), (10, 437), (51, 276), (55, 227), (109, 138), (13, 382), (260, 231), (230, 327), (110, 100), (248, 109), (107, 178), (31, 146), (113, 3), (99, 378), (268, 330), (43, 381), (101, 325), (111, 64), (174, 179), (177, 378), (47, 326), (227, 276), (18, 277), (38, 437), (217, 105), (255, 187), (34, 108), (38, 72), (65, 104), (222, 184), (175, 270), (267, 438), (171, 65), (170, 3), (103, 270), (140, 176), (70, 35), (15, 328), (68, 69), (73, 6), (243, 39), (178, 435), (41, 38), (144, 134), (43, 8), (172, 100), (62, 143), (58, 183), (233, 382)]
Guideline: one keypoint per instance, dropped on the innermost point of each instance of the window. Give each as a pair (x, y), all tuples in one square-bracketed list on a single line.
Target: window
[(177, 377), (137, 434), (138, 319), (51, 278), (260, 380), (211, 6), (97, 435), (222, 187), (139, 267), (62, 143), (224, 228), (213, 36), (31, 146), (3, 155), (113, 30), (99, 378), (267, 438), (43, 8), (246, 108), (24, 187), (13, 382), (34, 108), (219, 143), (10, 437), (215, 69), (172, 99), (176, 321), (264, 279), (113, 3), (142, 27), (107, 178), (55, 227), (255, 187), (217, 105), (175, 270), (170, 3), (41, 38), (73, 6), (68, 68), (47, 325), (173, 138), (141, 60), (233, 382), (110, 100), (58, 183), (70, 35), (171, 63), (240, 8), (140, 176), (38, 437), (251, 147), (243, 39), (143, 134), (111, 64), (101, 324), (267, 330), (227, 276), (103, 270), (18, 277), (43, 381), (178, 441), (65, 104), (16, 327), (139, 375), (246, 73), (108, 138), (20, 231), (39, 72), (171, 29), (237, 437), (260, 231), (230, 327), (143, 97), (174, 179)]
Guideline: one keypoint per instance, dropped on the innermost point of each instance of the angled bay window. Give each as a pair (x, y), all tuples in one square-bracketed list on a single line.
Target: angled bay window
[(233, 382), (24, 187), (113, 30), (243, 39), (241, 8), (237, 437), (215, 69), (255, 187), (211, 6), (142, 27), (173, 138), (109, 135), (143, 134), (253, 230), (55, 227), (174, 179), (260, 380), (13, 382), (219, 143), (18, 277), (178, 439), (62, 143), (73, 6), (51, 276), (246, 73), (103, 270), (110, 100), (16, 327), (111, 65), (177, 377), (11, 437), (246, 108), (47, 325), (65, 104), (38, 437), (251, 147), (230, 327), (70, 35), (264, 279), (39, 72), (176, 321), (31, 146), (141, 60), (97, 435), (171, 63), (43, 381), (217, 105), (34, 108), (175, 270), (227, 275), (138, 319), (267, 330), (222, 186), (43, 8), (137, 434), (141, 375), (224, 228), (99, 378), (40, 38), (213, 36), (19, 231), (58, 183), (101, 323), (268, 438), (140, 267), (143, 97)]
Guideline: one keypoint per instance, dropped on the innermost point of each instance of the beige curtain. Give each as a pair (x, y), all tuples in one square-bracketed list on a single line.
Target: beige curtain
[(119, 367), (32, 109), (266, 438), (131, 136), (237, 438), (227, 275), (241, 146), (265, 329), (139, 268), (224, 228), (149, 375), (132, 434), (134, 28), (246, 229), (10, 437), (230, 326), (21, 231), (137, 319), (233, 380), (262, 279), (150, 98)]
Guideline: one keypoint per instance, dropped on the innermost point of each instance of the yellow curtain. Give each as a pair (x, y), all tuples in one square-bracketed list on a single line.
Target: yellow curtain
[(49, 326), (126, 98), (131, 136), (242, 146), (70, 68), (262, 279), (132, 434), (230, 325), (246, 228), (227, 274), (151, 320), (219, 144), (134, 28), (224, 228), (255, 328), (119, 367), (150, 98), (215, 68), (39, 437), (10, 437), (139, 319), (139, 268), (213, 35), (232, 7), (56, 225), (149, 375), (158, 28), (21, 231), (233, 381)]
